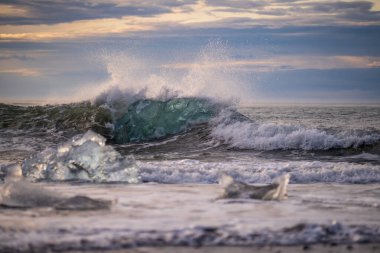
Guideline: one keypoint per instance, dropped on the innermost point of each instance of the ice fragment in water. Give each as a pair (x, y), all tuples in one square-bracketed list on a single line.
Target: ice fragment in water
[(19, 193), (84, 157), (274, 191)]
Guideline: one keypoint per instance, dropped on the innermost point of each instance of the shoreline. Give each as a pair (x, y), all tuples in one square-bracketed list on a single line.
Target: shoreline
[(154, 217)]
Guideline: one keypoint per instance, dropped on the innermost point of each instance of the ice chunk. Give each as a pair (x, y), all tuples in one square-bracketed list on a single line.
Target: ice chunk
[(14, 172), (19, 193), (16, 192), (84, 157), (235, 189), (89, 136)]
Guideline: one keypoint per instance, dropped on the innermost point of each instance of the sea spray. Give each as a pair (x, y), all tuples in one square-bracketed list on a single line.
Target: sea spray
[(210, 73)]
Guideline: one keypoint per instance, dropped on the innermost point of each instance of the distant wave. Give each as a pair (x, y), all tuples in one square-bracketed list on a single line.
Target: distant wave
[(70, 119)]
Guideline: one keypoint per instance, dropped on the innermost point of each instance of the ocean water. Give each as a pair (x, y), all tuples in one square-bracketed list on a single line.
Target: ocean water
[(162, 160), (315, 144)]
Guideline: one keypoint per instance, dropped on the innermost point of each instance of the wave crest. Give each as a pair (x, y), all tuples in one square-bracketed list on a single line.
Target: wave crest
[(269, 136)]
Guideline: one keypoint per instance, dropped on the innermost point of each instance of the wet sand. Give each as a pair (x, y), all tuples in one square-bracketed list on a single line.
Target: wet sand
[(362, 248), (314, 217)]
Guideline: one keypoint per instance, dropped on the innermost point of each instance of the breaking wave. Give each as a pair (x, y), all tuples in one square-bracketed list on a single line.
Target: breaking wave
[(148, 120), (270, 136), (194, 125)]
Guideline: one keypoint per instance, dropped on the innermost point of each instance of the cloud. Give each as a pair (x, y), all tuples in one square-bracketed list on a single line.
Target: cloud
[(55, 20), (237, 4), (11, 55), (21, 71), (359, 61), (77, 29), (53, 12), (357, 11), (295, 62), (9, 11), (341, 6)]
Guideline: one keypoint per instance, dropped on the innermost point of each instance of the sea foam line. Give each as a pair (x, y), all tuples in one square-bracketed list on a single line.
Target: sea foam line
[(258, 171)]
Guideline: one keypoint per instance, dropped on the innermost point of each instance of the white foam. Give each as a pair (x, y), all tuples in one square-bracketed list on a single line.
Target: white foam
[(269, 136), (258, 171)]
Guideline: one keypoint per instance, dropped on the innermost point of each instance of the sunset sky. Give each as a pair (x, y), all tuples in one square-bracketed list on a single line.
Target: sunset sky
[(256, 51)]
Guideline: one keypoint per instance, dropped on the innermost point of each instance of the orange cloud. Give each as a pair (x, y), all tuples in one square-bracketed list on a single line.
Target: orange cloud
[(7, 10), (97, 27)]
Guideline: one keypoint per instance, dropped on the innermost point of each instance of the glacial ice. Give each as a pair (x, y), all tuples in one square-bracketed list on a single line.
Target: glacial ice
[(17, 192), (84, 157), (277, 190)]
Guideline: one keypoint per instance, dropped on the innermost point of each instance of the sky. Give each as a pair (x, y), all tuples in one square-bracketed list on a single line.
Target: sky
[(270, 51)]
